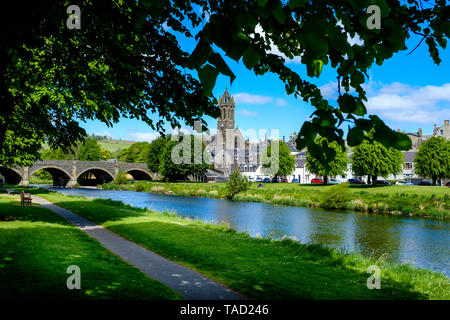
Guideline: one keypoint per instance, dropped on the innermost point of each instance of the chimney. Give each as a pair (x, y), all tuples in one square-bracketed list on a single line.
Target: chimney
[(283, 139), (445, 121), (420, 132)]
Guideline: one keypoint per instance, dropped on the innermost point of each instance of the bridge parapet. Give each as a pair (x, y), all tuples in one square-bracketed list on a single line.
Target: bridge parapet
[(68, 171)]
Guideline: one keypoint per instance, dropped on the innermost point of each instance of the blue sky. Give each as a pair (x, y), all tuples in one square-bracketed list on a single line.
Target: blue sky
[(408, 92)]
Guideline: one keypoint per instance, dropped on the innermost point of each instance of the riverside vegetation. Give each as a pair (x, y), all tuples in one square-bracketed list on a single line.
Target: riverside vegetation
[(258, 268), (422, 201)]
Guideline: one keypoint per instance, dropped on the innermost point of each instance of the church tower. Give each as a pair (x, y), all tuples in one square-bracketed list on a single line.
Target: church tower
[(226, 106)]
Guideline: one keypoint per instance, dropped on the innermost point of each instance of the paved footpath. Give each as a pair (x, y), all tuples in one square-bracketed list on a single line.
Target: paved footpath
[(186, 282)]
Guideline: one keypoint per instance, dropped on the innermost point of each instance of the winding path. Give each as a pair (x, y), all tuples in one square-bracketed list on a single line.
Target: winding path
[(186, 282)]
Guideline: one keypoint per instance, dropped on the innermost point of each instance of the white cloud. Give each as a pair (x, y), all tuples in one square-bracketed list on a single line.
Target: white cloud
[(247, 113), (404, 103), (251, 98), (329, 90), (401, 102), (280, 102), (143, 136)]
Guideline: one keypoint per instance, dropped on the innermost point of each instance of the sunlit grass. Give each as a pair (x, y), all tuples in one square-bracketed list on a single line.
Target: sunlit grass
[(258, 268), (36, 248)]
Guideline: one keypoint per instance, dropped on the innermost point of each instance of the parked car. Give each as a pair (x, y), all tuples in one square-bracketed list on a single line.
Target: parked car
[(425, 183), (334, 181), (284, 180), (251, 179), (355, 181), (295, 180), (383, 182), (259, 179), (274, 180), (266, 180), (316, 181), (448, 184), (403, 183)]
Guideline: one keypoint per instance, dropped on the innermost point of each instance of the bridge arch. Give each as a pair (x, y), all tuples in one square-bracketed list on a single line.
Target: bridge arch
[(60, 176), (12, 176), (139, 174), (94, 175)]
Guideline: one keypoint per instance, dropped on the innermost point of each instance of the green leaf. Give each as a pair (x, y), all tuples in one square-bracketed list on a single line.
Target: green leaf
[(251, 58), (279, 14), (355, 136), (220, 64), (208, 75)]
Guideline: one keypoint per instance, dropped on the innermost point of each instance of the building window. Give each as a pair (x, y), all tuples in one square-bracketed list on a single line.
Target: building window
[(408, 166), (442, 132)]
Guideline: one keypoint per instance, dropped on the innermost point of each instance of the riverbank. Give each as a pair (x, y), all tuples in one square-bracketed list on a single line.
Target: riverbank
[(257, 268), (421, 201)]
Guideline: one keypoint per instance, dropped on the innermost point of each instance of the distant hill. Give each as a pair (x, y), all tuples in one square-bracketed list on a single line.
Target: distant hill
[(112, 145), (115, 145)]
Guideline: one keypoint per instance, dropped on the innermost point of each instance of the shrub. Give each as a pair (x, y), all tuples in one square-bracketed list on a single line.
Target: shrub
[(121, 178), (236, 184), (337, 197), (139, 186)]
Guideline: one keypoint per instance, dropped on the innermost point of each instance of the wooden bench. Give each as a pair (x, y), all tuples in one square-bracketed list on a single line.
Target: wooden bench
[(25, 198)]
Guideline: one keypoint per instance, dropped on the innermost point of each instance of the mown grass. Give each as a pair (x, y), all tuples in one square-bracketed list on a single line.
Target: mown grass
[(423, 201), (257, 268), (36, 248)]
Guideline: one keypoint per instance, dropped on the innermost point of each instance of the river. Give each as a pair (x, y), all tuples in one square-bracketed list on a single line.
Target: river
[(421, 242)]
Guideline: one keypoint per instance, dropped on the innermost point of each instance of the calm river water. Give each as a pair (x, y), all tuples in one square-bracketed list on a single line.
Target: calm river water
[(422, 242)]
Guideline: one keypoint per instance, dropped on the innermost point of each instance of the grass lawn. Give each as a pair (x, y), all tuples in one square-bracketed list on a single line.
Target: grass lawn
[(36, 248), (424, 201), (257, 268)]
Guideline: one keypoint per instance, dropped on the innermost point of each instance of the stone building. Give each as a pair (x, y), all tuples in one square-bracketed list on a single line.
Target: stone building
[(442, 131)]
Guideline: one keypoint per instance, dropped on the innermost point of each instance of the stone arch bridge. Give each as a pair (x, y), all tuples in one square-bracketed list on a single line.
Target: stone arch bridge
[(68, 172)]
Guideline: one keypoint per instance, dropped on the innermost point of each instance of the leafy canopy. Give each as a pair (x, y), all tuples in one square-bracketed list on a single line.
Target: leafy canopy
[(90, 151), (374, 159), (192, 160), (137, 152), (155, 151), (281, 164), (324, 166), (127, 61), (433, 159)]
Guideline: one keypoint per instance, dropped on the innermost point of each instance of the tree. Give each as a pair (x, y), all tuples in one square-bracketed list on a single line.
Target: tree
[(105, 154), (327, 167), (433, 159), (236, 184), (137, 152), (284, 159), (60, 154), (373, 159), (155, 151), (189, 159), (90, 151), (51, 77)]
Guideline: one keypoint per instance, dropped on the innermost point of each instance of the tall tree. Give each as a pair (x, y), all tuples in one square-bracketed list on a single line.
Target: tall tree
[(433, 159), (324, 166), (373, 159), (155, 151), (90, 151), (281, 164), (137, 152), (181, 158), (52, 76)]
